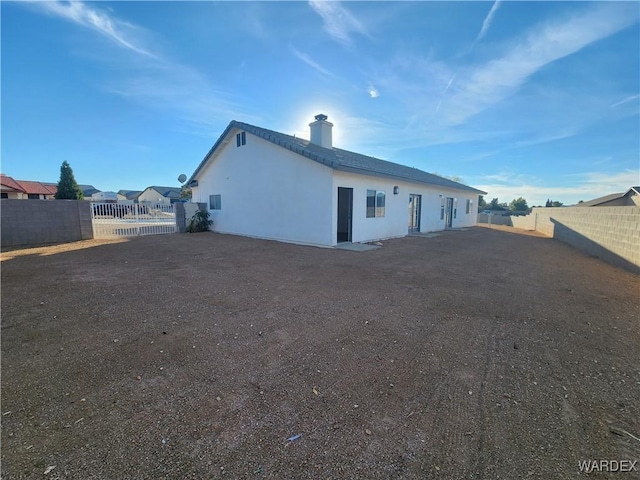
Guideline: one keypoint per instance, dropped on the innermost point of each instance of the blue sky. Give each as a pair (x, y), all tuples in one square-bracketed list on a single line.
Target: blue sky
[(532, 99)]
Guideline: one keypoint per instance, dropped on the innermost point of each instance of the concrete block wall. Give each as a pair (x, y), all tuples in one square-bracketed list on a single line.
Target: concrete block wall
[(184, 213), (610, 233), (494, 219), (38, 222)]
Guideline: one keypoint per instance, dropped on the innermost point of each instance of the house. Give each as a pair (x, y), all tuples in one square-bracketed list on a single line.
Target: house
[(155, 194), (26, 189), (629, 198), (88, 191), (128, 196), (9, 188), (261, 183), (32, 190), (110, 197)]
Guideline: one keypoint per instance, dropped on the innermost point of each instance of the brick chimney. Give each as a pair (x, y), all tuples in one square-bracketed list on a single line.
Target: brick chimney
[(321, 131)]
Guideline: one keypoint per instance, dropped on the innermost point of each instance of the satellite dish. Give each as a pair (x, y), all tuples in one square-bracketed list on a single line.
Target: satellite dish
[(182, 178)]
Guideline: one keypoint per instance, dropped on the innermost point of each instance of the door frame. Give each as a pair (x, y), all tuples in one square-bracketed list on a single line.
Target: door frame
[(415, 203), (449, 213), (348, 191)]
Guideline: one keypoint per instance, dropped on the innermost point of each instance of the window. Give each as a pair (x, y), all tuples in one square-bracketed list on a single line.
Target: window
[(241, 139), (455, 207), (4, 195), (468, 206), (442, 200), (33, 196), (375, 203), (215, 202)]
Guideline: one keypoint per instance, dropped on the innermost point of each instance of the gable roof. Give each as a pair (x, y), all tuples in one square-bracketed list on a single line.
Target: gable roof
[(88, 190), (130, 194), (337, 159), (7, 181), (168, 192), (38, 187), (608, 198)]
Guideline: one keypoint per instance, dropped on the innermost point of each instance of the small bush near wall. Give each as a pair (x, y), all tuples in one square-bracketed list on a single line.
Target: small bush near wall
[(200, 222)]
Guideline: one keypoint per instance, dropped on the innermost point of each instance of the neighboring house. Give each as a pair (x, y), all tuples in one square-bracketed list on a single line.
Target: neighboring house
[(9, 188), (629, 198), (130, 196), (39, 190), (104, 197), (88, 191), (155, 194), (26, 189), (261, 183)]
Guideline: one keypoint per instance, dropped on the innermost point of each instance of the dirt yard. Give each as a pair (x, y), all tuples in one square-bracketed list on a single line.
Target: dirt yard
[(479, 354)]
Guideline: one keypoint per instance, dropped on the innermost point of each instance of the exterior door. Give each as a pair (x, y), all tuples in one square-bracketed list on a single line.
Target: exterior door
[(415, 203), (449, 213), (345, 213)]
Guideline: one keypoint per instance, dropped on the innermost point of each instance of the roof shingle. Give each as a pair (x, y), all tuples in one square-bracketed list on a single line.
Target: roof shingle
[(338, 159)]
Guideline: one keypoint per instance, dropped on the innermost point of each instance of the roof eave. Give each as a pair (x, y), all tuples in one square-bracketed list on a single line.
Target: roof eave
[(372, 173)]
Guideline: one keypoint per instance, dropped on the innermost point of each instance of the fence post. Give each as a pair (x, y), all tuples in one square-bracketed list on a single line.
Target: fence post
[(181, 226)]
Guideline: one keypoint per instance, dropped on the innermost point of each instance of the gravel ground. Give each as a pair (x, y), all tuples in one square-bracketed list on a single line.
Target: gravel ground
[(479, 354)]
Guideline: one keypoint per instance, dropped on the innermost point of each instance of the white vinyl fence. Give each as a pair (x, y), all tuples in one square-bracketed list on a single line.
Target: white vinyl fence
[(111, 220)]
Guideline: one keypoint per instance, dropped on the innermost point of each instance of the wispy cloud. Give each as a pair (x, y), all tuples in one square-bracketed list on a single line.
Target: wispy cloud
[(505, 186), (188, 94), (499, 78), (309, 61), (373, 91), (153, 80), (98, 20), (487, 21), (626, 100), (339, 22)]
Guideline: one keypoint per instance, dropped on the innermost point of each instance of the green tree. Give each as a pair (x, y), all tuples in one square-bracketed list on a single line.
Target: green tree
[(518, 205), (494, 205), (185, 193), (68, 188), (482, 205), (555, 203), (548, 204)]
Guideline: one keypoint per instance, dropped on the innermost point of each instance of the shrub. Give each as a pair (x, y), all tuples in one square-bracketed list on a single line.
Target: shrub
[(200, 222)]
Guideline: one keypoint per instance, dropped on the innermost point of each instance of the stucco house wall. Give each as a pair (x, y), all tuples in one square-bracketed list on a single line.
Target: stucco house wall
[(261, 183), (153, 196), (267, 192), (396, 219)]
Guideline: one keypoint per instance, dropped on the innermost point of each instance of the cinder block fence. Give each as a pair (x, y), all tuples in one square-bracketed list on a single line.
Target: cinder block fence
[(37, 222), (610, 233)]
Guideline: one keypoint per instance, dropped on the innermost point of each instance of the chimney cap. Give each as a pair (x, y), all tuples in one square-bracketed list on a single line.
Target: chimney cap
[(321, 117)]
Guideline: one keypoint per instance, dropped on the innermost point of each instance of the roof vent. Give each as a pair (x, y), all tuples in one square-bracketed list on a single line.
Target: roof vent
[(321, 131)]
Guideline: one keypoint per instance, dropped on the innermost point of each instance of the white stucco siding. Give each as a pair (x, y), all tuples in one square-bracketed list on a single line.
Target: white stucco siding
[(396, 219), (462, 218), (267, 191)]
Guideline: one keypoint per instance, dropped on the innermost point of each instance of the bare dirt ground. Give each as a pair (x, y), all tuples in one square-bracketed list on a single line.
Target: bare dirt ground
[(478, 354)]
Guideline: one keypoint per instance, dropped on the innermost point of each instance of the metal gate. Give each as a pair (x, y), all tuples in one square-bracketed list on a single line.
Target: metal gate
[(111, 220)]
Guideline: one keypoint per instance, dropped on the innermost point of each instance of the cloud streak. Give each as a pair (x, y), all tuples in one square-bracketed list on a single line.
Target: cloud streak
[(626, 100), (93, 18), (309, 61), (489, 84), (487, 21), (339, 22), (156, 82)]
